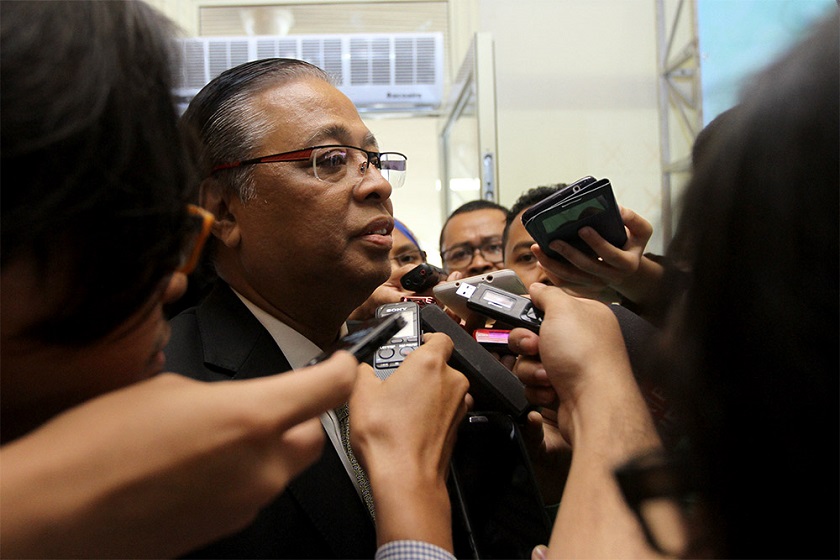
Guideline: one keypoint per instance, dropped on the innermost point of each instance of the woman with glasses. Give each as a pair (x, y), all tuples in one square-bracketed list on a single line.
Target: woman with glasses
[(405, 255), (749, 358)]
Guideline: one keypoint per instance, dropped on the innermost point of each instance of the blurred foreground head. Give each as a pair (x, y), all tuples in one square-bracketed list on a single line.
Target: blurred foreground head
[(95, 179)]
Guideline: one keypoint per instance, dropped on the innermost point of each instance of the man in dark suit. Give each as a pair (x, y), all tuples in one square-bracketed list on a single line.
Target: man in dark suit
[(302, 237)]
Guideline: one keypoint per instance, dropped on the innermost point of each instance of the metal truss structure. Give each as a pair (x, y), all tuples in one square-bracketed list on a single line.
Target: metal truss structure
[(680, 99)]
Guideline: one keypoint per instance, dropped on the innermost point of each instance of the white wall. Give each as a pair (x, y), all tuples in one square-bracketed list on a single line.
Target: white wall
[(576, 94), (576, 91)]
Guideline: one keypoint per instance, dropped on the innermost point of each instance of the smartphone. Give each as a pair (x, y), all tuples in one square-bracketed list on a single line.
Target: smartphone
[(498, 511), (586, 202), (556, 197), (507, 308), (447, 292), (393, 351), (422, 277), (365, 339)]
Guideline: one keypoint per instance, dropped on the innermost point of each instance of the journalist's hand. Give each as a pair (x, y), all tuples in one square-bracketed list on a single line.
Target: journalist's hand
[(166, 465), (403, 430), (589, 276)]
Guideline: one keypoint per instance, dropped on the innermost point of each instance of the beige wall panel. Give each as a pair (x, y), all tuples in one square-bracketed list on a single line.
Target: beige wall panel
[(576, 91)]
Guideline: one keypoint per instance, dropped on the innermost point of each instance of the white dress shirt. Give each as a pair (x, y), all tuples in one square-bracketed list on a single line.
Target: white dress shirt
[(298, 351)]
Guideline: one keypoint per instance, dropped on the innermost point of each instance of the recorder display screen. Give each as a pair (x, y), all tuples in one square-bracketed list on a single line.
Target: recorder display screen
[(408, 331), (497, 299)]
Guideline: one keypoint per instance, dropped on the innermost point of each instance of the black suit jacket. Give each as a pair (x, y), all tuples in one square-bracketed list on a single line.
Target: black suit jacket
[(320, 515)]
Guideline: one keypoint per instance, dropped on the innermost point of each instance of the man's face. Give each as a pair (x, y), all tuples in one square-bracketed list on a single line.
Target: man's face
[(305, 244), (518, 255), (469, 231)]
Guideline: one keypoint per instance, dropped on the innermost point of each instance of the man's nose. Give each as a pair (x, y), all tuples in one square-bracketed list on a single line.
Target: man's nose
[(479, 265), (373, 185)]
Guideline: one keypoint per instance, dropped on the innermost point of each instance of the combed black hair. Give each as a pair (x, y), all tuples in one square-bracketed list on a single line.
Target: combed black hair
[(526, 200)]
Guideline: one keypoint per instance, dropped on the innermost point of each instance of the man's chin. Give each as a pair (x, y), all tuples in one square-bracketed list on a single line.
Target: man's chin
[(373, 276)]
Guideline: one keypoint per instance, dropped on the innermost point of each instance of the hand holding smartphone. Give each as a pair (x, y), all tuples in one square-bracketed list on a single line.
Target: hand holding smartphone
[(586, 202)]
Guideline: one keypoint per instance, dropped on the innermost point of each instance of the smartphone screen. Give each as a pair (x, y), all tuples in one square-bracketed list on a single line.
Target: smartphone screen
[(497, 508)]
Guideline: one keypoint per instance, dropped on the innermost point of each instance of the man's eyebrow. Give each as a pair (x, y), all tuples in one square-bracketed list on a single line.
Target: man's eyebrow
[(337, 132), (370, 140), (482, 239), (340, 134), (523, 245), (406, 247)]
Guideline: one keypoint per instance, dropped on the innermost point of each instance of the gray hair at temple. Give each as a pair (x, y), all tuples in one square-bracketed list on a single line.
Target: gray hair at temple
[(223, 116)]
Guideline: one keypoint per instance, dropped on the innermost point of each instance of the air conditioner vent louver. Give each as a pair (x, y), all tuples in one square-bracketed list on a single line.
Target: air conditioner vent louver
[(400, 71)]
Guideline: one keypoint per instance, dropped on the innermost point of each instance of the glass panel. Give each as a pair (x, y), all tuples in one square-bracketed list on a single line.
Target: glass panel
[(468, 139), (464, 176)]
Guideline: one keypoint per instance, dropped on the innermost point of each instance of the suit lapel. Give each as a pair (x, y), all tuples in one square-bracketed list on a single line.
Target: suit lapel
[(319, 490), (234, 340)]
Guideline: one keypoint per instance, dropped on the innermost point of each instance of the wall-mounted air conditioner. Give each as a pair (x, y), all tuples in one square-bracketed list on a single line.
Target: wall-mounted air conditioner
[(378, 72)]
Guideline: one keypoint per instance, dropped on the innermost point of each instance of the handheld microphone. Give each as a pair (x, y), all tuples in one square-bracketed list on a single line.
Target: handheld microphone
[(493, 386)]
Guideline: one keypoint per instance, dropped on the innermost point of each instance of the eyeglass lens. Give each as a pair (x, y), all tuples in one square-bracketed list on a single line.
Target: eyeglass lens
[(666, 523), (409, 257), (332, 164), (665, 499), (463, 255)]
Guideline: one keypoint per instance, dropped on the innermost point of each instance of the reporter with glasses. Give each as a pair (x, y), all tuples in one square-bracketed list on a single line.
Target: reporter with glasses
[(748, 358), (304, 227), (471, 239)]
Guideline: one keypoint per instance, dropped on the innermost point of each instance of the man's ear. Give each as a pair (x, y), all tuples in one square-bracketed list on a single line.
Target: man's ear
[(225, 206)]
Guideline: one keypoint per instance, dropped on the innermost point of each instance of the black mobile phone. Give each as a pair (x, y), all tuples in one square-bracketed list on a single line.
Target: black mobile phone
[(365, 339), (556, 197), (392, 352), (586, 202), (505, 307), (498, 511), (422, 277)]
